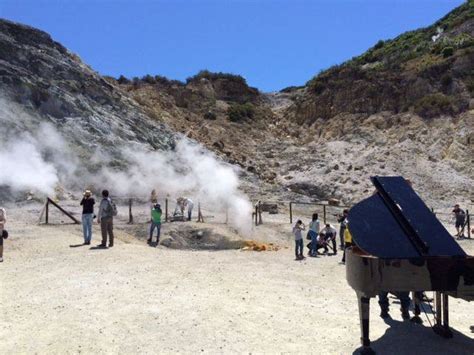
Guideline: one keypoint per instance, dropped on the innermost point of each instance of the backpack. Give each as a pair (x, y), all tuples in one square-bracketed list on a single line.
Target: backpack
[(114, 208)]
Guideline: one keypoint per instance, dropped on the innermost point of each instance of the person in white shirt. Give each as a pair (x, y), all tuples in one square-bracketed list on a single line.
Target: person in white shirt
[(313, 233), (297, 231), (328, 234)]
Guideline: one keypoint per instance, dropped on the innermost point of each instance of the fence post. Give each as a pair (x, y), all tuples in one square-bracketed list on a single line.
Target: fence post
[(47, 212), (291, 212), (468, 224), (256, 215), (166, 210), (130, 216), (324, 213)]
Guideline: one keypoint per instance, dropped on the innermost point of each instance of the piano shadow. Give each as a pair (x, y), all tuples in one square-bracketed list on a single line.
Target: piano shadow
[(404, 337)]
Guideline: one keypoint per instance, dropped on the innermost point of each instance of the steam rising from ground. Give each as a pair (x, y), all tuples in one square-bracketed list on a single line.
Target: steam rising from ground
[(36, 156)]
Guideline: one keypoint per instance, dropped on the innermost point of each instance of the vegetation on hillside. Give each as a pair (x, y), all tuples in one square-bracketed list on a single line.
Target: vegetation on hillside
[(428, 70)]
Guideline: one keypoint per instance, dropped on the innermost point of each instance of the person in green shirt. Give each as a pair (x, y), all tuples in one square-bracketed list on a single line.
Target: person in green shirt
[(155, 223)]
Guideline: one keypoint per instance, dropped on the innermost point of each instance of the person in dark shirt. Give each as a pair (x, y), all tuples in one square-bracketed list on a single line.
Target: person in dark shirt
[(460, 217), (87, 204)]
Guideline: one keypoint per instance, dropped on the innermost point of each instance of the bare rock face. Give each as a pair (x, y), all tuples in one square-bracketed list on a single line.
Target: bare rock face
[(53, 85)]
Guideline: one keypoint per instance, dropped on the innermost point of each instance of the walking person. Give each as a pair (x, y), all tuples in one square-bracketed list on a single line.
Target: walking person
[(155, 223), (87, 204), (105, 218), (313, 233), (3, 231), (297, 231)]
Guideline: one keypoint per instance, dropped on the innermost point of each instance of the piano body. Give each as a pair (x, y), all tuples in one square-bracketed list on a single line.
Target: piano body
[(399, 245)]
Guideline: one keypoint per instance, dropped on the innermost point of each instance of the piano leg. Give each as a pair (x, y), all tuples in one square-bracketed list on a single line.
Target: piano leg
[(417, 298), (364, 314), (442, 316)]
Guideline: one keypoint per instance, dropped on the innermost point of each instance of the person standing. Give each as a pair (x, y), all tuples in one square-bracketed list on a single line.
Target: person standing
[(87, 204), (343, 224), (404, 298), (460, 219), (190, 206), (3, 232), (155, 223), (314, 232), (347, 242), (106, 219), (297, 231)]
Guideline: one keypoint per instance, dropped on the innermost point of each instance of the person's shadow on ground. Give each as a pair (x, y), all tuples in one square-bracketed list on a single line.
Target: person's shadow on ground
[(410, 338), (77, 245)]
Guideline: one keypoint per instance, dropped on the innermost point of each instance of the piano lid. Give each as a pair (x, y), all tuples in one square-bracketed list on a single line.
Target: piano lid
[(396, 223)]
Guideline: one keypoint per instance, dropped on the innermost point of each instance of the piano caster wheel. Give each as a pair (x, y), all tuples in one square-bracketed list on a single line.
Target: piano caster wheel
[(443, 331), (367, 350), (416, 320)]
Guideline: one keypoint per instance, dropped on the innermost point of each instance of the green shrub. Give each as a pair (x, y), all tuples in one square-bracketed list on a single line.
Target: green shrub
[(434, 105), (123, 80), (240, 112), (209, 115), (447, 52), (446, 80), (379, 44), (148, 79)]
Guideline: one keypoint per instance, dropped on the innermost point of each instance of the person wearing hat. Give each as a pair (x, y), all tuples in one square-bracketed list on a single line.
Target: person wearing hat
[(87, 204), (155, 223)]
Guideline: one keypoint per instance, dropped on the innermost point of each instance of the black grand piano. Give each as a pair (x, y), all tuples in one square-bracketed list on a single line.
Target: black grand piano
[(399, 245)]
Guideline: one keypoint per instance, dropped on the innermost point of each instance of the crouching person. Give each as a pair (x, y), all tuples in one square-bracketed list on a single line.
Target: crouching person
[(155, 223)]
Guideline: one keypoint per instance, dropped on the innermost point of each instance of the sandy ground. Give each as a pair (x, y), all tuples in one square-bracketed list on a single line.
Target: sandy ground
[(137, 299)]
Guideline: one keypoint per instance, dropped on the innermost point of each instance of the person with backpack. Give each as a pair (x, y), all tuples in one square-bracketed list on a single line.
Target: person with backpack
[(155, 223), (3, 232), (87, 204), (105, 217)]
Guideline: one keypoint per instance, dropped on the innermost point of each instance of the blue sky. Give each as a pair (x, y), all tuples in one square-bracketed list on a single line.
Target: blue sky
[(272, 43)]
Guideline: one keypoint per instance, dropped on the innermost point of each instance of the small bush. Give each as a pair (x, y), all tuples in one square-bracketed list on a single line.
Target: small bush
[(123, 80), (209, 115), (240, 112), (434, 105), (447, 52), (379, 44), (149, 79), (446, 80)]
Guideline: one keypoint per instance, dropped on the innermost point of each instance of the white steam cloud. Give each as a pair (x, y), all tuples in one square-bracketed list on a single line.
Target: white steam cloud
[(40, 158)]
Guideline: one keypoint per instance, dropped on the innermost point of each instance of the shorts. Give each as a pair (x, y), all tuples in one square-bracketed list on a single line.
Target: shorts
[(459, 223)]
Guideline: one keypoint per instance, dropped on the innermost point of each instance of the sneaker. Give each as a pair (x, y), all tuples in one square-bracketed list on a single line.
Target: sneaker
[(111, 245), (1, 260), (102, 246), (87, 243)]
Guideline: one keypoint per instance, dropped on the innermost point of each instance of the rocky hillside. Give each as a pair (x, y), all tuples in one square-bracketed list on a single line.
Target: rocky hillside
[(428, 72), (50, 84), (219, 110), (403, 107)]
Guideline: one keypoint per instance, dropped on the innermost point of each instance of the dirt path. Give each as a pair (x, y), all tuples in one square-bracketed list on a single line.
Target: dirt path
[(137, 299)]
